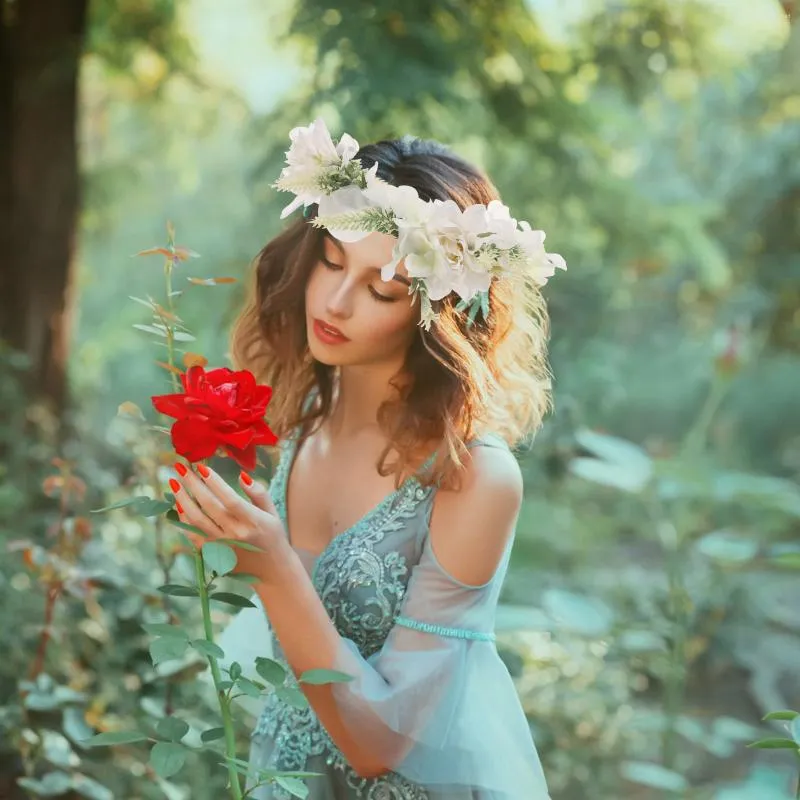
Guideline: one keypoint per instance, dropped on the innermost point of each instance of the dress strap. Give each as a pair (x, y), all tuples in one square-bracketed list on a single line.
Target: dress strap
[(309, 398)]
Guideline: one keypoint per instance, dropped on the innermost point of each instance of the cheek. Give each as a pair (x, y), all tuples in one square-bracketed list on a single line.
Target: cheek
[(312, 285), (387, 329)]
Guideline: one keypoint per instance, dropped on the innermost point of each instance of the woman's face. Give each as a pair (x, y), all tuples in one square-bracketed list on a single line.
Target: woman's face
[(345, 292)]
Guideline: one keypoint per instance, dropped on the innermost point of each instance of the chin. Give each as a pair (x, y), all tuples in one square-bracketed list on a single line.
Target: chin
[(328, 359), (332, 356)]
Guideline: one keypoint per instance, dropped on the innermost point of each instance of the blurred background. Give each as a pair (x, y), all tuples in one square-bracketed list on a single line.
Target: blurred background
[(651, 614)]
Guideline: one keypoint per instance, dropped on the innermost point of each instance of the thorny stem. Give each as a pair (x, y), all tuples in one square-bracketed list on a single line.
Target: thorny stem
[(797, 792), (161, 556), (55, 586), (695, 440), (166, 569), (200, 576), (170, 331), (227, 722)]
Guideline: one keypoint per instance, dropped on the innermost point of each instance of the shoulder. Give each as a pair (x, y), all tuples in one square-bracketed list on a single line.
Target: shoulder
[(471, 527), (491, 473)]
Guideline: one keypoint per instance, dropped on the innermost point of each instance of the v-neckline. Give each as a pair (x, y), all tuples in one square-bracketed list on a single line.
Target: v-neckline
[(410, 481)]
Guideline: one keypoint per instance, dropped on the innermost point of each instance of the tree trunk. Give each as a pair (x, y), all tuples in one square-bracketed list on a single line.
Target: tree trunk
[(40, 47)]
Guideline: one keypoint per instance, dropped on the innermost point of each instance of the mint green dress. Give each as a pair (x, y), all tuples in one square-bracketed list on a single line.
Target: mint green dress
[(427, 673)]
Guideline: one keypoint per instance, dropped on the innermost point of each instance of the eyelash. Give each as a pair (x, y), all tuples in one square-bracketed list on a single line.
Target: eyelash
[(379, 297)]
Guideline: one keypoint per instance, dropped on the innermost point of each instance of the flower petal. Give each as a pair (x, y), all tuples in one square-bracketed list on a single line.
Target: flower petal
[(263, 434), (293, 206), (244, 458), (173, 405), (194, 440)]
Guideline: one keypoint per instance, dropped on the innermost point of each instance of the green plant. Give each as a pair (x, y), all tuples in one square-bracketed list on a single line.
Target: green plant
[(211, 562)]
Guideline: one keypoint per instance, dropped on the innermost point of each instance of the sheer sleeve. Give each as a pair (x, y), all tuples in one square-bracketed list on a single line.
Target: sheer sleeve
[(436, 704)]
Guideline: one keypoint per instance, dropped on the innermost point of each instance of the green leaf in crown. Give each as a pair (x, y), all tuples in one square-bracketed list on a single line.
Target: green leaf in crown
[(380, 220), (343, 175)]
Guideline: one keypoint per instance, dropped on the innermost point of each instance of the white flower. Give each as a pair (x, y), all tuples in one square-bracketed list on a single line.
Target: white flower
[(501, 224), (540, 265), (310, 157), (444, 248), (404, 201), (439, 247), (342, 201)]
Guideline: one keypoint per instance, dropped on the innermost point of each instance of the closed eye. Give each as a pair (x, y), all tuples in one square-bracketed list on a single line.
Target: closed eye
[(382, 298), (377, 295)]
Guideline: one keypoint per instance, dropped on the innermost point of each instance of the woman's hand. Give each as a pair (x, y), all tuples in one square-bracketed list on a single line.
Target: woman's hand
[(205, 501)]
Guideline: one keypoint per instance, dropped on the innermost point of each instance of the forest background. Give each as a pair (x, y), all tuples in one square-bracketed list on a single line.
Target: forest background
[(650, 614)]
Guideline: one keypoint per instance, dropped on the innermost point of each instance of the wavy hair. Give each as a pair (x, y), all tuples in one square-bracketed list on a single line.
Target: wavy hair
[(458, 381)]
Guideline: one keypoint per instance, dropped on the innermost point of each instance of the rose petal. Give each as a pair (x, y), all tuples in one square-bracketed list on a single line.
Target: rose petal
[(194, 380), (263, 434), (263, 394), (173, 405), (194, 439), (238, 439), (245, 458)]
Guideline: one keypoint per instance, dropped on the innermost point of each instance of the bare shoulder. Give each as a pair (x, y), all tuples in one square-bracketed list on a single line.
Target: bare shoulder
[(471, 527)]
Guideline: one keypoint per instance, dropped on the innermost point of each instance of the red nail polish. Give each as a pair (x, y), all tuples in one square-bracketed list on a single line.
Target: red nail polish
[(180, 469), (203, 470), (179, 507), (246, 479), (174, 485)]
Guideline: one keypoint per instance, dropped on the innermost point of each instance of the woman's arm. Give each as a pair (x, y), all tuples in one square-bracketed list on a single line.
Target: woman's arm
[(309, 640)]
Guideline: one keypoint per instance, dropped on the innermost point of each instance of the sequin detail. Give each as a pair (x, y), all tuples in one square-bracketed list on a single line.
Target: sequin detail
[(441, 630)]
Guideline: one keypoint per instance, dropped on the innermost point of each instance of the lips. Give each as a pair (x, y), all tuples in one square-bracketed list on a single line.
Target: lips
[(329, 330)]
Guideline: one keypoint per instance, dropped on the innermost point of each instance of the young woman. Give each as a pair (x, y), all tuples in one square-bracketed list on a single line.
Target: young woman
[(401, 326)]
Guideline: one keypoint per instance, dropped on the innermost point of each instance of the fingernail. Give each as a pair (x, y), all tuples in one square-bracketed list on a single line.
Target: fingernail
[(174, 485), (246, 479), (179, 507), (180, 468), (203, 470)]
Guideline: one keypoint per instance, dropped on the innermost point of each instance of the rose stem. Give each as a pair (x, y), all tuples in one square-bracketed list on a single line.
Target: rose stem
[(227, 722), (200, 574)]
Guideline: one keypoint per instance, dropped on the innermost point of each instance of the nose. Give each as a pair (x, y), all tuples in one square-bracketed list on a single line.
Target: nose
[(339, 302)]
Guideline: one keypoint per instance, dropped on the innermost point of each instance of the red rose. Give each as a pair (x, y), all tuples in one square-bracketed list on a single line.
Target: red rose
[(220, 409)]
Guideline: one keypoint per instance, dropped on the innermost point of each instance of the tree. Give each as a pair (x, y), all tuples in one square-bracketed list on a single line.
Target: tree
[(41, 47)]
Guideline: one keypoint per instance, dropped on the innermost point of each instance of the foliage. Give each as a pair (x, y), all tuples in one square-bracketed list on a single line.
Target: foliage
[(140, 41), (647, 616)]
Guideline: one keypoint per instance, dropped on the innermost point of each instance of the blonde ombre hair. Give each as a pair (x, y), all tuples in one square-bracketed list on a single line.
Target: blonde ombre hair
[(459, 380)]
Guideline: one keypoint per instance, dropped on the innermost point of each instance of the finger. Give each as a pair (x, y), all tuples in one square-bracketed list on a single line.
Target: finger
[(236, 506), (193, 538), (206, 499), (257, 492), (190, 513)]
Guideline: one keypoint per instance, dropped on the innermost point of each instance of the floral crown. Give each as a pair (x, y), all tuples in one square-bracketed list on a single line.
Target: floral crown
[(445, 249)]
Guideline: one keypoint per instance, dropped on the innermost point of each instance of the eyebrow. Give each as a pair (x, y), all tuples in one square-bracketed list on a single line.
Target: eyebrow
[(397, 277)]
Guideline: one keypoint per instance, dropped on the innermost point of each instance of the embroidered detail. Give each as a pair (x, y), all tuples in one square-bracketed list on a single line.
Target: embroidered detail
[(440, 630), (361, 588)]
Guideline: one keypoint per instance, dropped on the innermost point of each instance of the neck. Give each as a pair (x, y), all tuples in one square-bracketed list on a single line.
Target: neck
[(358, 394)]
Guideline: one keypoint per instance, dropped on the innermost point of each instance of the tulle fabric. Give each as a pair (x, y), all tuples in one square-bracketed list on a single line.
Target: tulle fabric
[(440, 708)]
